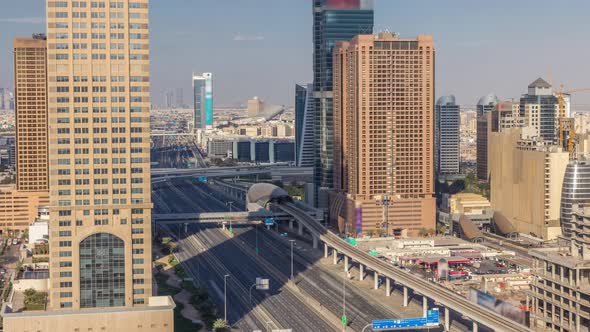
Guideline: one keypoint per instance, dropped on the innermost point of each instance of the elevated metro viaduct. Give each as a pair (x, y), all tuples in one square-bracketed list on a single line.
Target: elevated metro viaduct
[(271, 197)]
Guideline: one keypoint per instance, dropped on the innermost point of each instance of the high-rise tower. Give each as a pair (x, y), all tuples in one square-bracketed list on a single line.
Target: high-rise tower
[(485, 105), (333, 20), (30, 81), (539, 108), (304, 133), (384, 135), (447, 122), (99, 151), (203, 101)]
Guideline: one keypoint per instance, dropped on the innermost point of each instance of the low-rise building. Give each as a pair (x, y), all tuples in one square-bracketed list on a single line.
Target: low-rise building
[(156, 316), (18, 208), (39, 229), (560, 291)]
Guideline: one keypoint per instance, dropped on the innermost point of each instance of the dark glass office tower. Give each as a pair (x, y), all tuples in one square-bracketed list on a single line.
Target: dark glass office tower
[(447, 137), (333, 20), (539, 106)]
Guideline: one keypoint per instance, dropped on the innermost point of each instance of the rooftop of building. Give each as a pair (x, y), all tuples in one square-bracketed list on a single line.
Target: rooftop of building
[(464, 197), (446, 100), (489, 99), (560, 256), (540, 83), (155, 303)]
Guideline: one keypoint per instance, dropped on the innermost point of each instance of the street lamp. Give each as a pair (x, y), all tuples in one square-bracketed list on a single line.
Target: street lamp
[(256, 232), (292, 241), (230, 203), (384, 200), (344, 303), (225, 296)]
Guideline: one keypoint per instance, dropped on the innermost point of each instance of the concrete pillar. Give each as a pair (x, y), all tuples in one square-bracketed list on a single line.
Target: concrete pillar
[(447, 320), (315, 242), (276, 226), (475, 327), (345, 263), (335, 256), (325, 250), (300, 228), (361, 272), (290, 224), (577, 321), (387, 287), (424, 305), (405, 296), (376, 279)]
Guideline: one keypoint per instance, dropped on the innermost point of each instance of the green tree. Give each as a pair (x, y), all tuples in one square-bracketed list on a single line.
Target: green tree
[(220, 325), (423, 232)]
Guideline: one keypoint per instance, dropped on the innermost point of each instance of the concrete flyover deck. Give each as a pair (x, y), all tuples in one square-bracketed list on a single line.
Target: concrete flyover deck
[(275, 170), (219, 217), (441, 296)]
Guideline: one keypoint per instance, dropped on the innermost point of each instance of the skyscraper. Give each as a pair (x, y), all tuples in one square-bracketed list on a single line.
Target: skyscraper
[(30, 80), (540, 109), (576, 189), (203, 101), (485, 104), (179, 98), (99, 147), (447, 123), (383, 135), (255, 107), (19, 204), (333, 20), (304, 133)]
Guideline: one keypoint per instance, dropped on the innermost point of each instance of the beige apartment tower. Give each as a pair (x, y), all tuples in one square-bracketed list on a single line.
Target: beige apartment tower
[(383, 135), (526, 179), (255, 107), (30, 95), (99, 135), (19, 203)]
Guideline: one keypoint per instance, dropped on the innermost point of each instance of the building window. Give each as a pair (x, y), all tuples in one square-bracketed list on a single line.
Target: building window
[(102, 271)]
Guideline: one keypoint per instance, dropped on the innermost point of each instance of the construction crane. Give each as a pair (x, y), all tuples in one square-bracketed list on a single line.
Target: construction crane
[(563, 121)]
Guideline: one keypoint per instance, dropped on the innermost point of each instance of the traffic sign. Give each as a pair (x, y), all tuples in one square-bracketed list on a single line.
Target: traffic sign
[(269, 221), (343, 319), (262, 284), (431, 319), (231, 229)]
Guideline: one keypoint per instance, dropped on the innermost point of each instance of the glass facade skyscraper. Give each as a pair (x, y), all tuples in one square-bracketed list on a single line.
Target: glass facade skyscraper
[(576, 189), (334, 20), (203, 101), (304, 130), (447, 138)]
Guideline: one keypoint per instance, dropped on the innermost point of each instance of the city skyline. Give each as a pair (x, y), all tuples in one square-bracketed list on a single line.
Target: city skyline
[(256, 51)]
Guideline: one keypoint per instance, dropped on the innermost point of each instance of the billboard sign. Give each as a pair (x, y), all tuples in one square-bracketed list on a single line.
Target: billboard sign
[(208, 100), (262, 284), (349, 4), (358, 219), (431, 320), (502, 308)]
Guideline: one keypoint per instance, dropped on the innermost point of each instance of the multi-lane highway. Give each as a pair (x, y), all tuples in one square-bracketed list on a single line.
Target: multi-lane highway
[(316, 294), (208, 254), (176, 152)]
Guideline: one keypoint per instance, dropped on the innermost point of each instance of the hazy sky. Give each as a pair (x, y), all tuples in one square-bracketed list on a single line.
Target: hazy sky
[(264, 47)]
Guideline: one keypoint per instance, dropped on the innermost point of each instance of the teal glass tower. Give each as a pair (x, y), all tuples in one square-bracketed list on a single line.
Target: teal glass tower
[(334, 20)]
